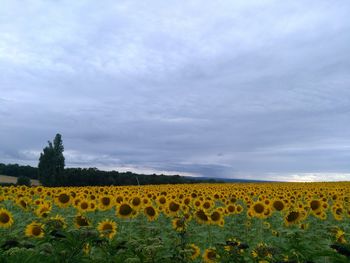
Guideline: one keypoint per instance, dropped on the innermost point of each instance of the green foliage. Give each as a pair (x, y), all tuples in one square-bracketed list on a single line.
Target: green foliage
[(141, 241), (23, 180)]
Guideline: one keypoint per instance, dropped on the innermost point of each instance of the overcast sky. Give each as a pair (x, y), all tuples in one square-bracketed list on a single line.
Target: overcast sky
[(239, 89)]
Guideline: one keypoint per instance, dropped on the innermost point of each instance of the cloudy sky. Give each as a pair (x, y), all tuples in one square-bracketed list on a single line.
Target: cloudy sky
[(238, 89)]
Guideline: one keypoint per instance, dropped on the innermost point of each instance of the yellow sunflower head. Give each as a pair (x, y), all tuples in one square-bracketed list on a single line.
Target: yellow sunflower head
[(81, 221), (107, 228), (195, 251), (35, 229), (179, 224), (105, 202), (63, 199), (6, 218), (124, 210), (150, 212), (57, 222), (210, 255)]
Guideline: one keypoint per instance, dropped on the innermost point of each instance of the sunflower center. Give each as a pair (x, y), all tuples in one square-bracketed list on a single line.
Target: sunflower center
[(206, 205), (162, 200), (150, 211), (180, 223), (106, 201), (292, 216), (231, 208), (136, 201), (23, 204), (258, 208), (174, 207), (125, 210), (315, 205), (4, 218), (278, 205), (201, 215), (84, 205), (82, 221), (107, 227), (36, 231), (211, 255), (215, 216), (339, 211), (63, 198)]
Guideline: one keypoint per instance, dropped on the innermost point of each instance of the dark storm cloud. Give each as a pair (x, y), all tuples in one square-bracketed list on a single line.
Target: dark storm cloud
[(256, 89)]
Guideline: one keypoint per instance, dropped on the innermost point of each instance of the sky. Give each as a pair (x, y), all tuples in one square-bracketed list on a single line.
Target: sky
[(229, 89)]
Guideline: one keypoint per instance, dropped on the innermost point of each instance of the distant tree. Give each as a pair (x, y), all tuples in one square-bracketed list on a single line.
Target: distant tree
[(52, 162), (23, 180)]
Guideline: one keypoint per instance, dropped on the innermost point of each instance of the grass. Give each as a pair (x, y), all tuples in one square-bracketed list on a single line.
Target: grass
[(13, 180)]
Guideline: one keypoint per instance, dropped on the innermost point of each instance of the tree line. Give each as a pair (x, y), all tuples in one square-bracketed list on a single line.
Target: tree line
[(51, 171), (17, 170), (94, 176)]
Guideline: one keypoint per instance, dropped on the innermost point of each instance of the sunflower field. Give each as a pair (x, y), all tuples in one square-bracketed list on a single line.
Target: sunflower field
[(262, 222)]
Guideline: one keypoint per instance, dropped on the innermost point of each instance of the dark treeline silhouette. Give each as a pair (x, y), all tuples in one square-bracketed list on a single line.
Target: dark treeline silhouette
[(93, 176), (19, 170)]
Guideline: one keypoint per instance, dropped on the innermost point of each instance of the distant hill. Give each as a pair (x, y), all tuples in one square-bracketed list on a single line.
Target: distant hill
[(228, 180)]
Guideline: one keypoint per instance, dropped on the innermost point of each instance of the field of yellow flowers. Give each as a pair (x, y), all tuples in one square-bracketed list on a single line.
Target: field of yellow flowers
[(265, 222)]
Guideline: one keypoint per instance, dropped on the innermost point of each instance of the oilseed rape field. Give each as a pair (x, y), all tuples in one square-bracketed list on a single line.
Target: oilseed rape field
[(252, 222)]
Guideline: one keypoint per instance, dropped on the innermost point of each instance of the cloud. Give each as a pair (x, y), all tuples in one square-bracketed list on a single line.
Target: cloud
[(218, 89)]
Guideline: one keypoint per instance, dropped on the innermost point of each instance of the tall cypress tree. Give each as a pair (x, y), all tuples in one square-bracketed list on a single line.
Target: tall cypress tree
[(52, 162)]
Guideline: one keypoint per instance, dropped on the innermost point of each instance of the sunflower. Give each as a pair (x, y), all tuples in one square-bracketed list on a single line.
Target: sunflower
[(23, 203), (35, 229), (179, 224), (337, 211), (124, 210), (63, 199), (201, 217), (107, 228), (92, 206), (81, 221), (262, 251), (207, 205), (239, 209), (136, 202), (258, 210), (43, 210), (197, 203), (210, 255), (195, 251), (119, 199), (57, 222), (150, 212), (216, 217), (230, 209), (105, 202), (278, 205), (6, 218), (173, 208), (86, 248), (162, 200), (83, 206), (304, 226), (293, 217), (315, 205)]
